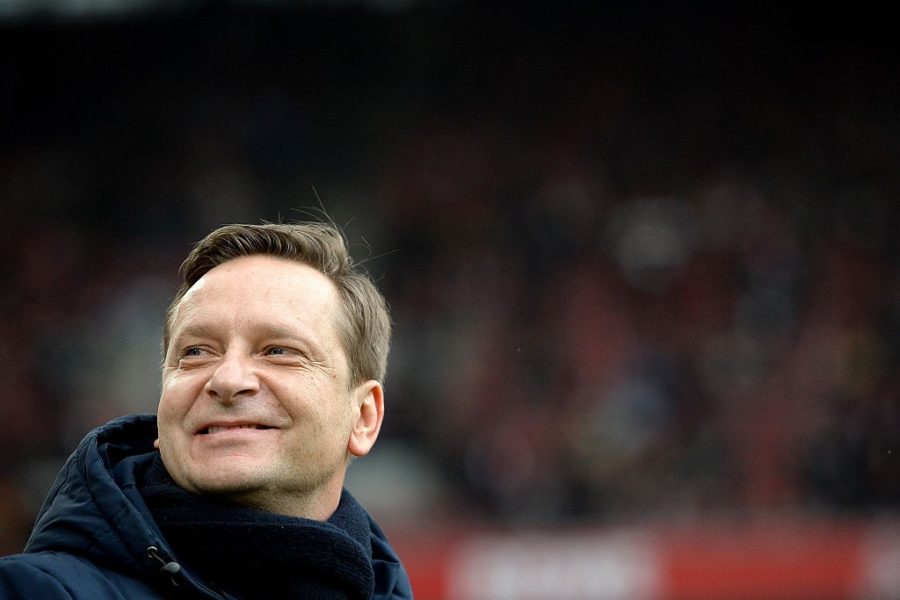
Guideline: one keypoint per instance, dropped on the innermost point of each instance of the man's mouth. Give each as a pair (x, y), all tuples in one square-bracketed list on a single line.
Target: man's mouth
[(220, 428)]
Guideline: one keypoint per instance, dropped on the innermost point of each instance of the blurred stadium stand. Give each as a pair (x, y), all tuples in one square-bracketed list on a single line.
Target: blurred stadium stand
[(643, 262)]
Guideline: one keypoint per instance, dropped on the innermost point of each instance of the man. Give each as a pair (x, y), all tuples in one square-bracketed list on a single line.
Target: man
[(274, 350)]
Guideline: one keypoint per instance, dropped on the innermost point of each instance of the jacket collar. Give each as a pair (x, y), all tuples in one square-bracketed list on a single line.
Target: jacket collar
[(94, 510)]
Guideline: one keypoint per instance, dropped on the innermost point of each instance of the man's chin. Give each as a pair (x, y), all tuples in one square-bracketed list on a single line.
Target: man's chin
[(233, 480)]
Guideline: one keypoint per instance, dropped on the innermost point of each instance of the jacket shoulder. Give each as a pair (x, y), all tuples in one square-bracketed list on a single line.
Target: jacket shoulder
[(61, 576), (391, 579)]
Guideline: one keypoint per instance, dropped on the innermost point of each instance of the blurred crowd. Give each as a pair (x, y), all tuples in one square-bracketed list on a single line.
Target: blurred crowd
[(633, 275)]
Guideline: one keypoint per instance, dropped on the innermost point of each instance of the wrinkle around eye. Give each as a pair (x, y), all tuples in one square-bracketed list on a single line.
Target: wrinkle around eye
[(281, 354), (192, 356)]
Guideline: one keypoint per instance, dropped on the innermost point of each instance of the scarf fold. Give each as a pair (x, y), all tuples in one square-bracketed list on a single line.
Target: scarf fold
[(252, 554)]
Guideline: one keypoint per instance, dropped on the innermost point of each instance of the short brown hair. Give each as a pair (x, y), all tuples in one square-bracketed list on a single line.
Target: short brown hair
[(365, 330)]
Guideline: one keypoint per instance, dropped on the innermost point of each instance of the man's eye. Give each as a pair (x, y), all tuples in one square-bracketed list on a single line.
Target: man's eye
[(283, 352), (193, 351)]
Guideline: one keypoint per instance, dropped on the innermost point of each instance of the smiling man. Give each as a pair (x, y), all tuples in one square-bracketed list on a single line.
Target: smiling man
[(275, 348)]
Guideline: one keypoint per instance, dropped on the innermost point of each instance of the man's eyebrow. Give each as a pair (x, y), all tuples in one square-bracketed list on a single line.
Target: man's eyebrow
[(198, 330), (206, 330), (278, 331), (296, 337)]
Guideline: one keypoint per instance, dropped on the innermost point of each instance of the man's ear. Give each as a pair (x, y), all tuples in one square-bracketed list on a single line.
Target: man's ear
[(369, 397)]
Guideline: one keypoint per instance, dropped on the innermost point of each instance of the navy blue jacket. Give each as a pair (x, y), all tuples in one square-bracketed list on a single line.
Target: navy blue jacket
[(95, 539)]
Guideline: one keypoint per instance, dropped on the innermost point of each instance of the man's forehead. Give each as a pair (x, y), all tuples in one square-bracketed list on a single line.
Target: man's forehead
[(268, 272), (243, 285)]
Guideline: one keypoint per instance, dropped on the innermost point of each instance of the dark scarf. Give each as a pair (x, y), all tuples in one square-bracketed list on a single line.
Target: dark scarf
[(253, 554)]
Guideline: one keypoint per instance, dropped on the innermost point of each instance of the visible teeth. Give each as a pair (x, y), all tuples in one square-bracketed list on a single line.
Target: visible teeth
[(217, 428)]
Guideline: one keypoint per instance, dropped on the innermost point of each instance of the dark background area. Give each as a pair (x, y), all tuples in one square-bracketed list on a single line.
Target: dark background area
[(642, 257)]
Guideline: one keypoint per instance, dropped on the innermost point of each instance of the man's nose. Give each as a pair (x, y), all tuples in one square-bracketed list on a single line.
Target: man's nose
[(233, 377)]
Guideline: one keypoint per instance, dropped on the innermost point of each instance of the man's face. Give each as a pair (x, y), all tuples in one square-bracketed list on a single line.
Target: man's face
[(256, 404)]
